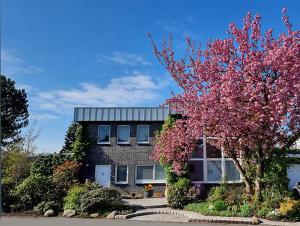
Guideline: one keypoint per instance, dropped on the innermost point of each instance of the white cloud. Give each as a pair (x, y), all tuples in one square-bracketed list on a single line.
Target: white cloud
[(132, 90), (122, 58), (12, 64), (191, 20), (43, 117)]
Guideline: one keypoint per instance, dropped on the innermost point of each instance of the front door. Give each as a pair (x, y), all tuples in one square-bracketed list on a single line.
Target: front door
[(102, 175)]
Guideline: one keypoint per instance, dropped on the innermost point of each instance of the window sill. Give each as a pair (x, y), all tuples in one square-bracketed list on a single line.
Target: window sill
[(126, 143), (143, 142), (103, 143), (150, 182), (122, 183)]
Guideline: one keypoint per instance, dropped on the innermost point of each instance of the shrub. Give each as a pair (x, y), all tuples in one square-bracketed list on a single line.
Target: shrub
[(217, 193), (196, 192), (32, 190), (100, 199), (272, 197), (43, 206), (45, 164), (178, 193), (7, 198), (72, 200), (205, 208), (16, 164), (290, 209), (245, 210), (64, 176), (264, 211), (218, 205)]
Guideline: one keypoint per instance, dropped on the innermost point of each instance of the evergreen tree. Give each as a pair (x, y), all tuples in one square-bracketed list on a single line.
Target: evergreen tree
[(70, 137), (14, 111)]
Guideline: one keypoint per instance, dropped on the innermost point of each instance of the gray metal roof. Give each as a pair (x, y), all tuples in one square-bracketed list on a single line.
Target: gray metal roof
[(84, 114)]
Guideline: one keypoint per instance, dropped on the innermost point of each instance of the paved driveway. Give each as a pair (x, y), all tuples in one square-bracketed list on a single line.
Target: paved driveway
[(60, 221)]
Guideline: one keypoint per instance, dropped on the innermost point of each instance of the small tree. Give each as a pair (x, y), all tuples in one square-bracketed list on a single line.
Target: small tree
[(14, 111), (70, 137), (243, 90), (80, 145)]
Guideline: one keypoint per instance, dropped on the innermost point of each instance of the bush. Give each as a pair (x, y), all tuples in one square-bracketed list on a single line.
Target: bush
[(218, 205), (264, 211), (32, 190), (72, 200), (272, 197), (217, 193), (7, 198), (205, 208), (245, 210), (290, 209), (45, 164), (64, 176), (43, 206), (178, 193), (100, 199), (196, 193)]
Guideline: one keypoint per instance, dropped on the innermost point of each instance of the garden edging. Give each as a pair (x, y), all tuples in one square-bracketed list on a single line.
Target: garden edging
[(196, 217)]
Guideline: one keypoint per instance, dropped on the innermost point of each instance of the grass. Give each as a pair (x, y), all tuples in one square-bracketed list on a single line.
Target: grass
[(203, 208)]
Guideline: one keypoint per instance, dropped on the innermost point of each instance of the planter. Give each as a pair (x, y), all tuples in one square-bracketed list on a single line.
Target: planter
[(148, 194)]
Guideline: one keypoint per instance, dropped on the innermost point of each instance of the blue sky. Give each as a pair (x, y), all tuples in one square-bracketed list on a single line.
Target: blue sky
[(68, 53)]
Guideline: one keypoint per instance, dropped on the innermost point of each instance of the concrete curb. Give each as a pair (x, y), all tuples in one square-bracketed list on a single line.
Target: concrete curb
[(202, 219), (196, 217)]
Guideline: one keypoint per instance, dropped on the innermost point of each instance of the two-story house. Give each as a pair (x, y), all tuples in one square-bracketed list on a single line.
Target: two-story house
[(122, 141)]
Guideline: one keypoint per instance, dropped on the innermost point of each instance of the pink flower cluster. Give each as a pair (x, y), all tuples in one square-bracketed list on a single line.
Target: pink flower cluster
[(244, 89)]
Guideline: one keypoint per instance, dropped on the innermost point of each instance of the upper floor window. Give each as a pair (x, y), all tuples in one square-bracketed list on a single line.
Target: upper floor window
[(103, 134), (123, 134), (142, 134)]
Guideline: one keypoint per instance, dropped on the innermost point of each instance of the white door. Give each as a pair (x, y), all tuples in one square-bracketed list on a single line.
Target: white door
[(102, 175), (293, 173)]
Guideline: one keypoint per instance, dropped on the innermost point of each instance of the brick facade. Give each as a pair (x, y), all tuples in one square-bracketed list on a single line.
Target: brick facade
[(113, 154)]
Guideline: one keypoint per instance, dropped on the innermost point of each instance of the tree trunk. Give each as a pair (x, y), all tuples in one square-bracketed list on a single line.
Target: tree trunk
[(244, 177), (258, 177)]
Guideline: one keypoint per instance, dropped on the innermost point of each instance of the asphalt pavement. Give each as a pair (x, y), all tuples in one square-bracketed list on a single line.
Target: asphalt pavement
[(61, 221)]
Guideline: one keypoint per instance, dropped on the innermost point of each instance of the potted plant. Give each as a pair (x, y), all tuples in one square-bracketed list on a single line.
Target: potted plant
[(148, 191)]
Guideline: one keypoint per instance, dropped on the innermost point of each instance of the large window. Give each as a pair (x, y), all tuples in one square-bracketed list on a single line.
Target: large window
[(142, 134), (150, 174), (214, 170), (208, 164), (103, 134), (232, 174), (121, 174), (196, 170), (123, 134)]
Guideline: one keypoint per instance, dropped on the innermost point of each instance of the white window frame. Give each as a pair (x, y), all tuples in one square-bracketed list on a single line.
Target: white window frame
[(148, 181), (98, 137), (137, 132), (116, 173), (126, 142), (205, 169)]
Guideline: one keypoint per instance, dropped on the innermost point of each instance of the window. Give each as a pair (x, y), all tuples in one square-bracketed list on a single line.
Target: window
[(123, 134), (232, 174), (212, 151), (103, 134), (196, 170), (150, 174), (214, 170), (198, 153), (142, 134), (159, 173), (121, 174)]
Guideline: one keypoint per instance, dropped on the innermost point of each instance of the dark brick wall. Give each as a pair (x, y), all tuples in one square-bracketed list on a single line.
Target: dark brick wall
[(121, 154)]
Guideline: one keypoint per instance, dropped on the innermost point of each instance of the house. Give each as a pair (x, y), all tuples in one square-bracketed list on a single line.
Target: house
[(122, 141)]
